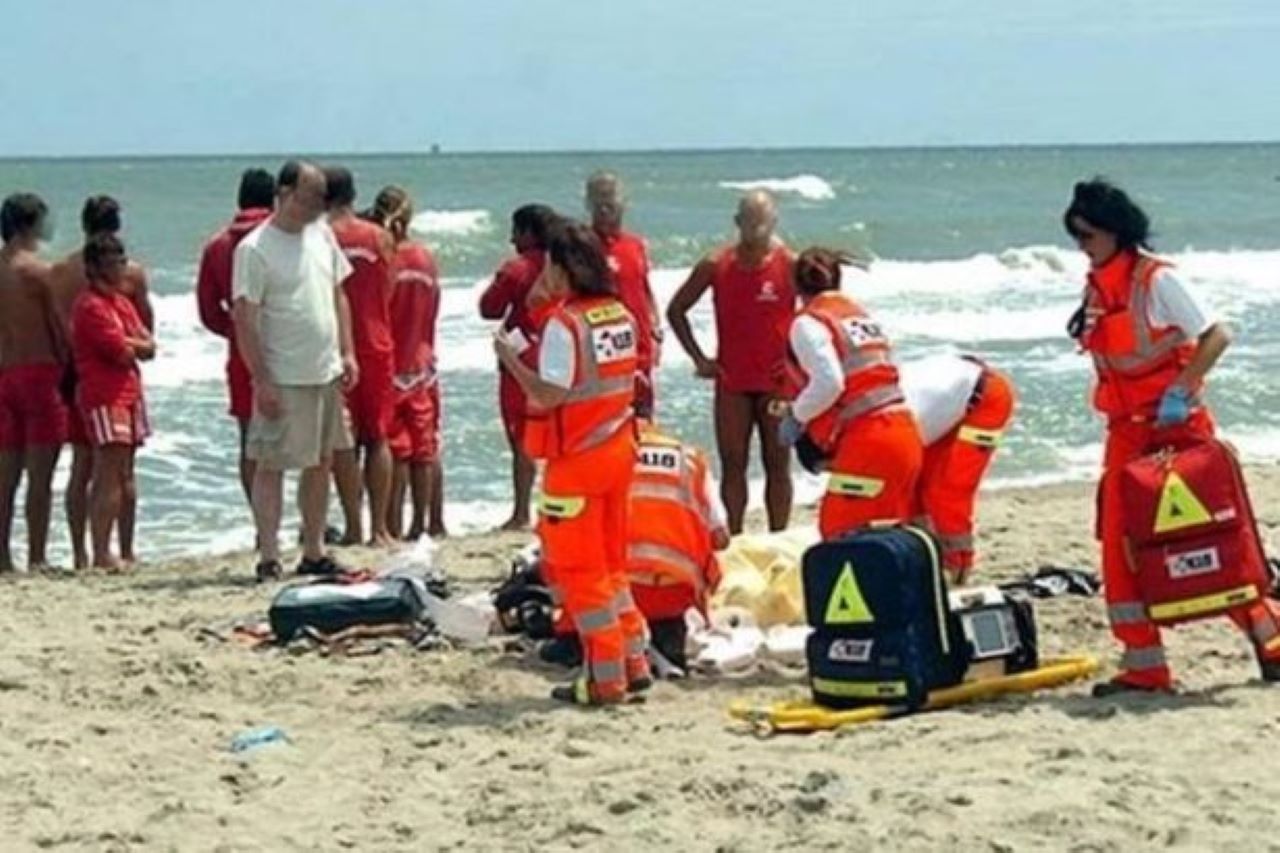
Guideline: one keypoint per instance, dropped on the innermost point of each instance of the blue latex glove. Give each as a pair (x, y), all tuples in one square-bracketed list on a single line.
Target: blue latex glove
[(790, 430), (1175, 407)]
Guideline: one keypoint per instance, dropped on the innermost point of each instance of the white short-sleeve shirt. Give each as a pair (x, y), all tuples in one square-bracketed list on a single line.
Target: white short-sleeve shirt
[(558, 355), (292, 279), (938, 389)]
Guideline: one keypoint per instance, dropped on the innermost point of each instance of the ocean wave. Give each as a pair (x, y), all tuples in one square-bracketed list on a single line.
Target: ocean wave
[(458, 223), (810, 187)]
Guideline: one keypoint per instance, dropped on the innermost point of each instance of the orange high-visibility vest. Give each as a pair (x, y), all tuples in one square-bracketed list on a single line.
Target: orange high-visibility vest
[(600, 399), (671, 540), (1136, 362), (870, 378)]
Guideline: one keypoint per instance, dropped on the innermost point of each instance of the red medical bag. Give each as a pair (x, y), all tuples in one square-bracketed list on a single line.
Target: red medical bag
[(1190, 532)]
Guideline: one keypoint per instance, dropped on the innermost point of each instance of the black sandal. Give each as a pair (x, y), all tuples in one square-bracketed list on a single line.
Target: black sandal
[(323, 567), (268, 570)]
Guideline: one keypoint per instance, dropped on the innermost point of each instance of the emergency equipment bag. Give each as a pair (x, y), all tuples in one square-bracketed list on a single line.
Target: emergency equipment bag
[(333, 607), (1190, 534), (883, 630)]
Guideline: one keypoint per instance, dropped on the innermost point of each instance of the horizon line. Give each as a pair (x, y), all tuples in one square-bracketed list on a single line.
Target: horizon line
[(435, 150)]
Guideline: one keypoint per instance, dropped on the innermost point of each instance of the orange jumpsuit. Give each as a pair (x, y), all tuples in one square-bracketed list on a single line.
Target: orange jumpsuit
[(875, 446), (671, 555), (954, 466), (1136, 363), (588, 443)]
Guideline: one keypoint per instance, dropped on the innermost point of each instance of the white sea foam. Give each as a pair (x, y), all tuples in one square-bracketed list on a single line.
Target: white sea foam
[(456, 223), (810, 187)]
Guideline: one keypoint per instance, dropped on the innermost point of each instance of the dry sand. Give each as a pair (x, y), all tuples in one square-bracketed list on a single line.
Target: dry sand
[(115, 720)]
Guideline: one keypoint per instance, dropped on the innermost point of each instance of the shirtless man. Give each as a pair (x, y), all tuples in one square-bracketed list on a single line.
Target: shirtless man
[(629, 259), (754, 298), (100, 215), (33, 422)]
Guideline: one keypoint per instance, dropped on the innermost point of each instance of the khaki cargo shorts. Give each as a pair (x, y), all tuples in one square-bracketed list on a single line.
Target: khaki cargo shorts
[(311, 426)]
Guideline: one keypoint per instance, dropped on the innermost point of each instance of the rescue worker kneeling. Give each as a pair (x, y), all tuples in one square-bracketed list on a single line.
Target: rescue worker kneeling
[(962, 406), (849, 403), (677, 525), (1152, 346), (580, 423)]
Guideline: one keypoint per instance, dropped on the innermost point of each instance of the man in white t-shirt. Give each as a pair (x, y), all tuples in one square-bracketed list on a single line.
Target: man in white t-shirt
[(293, 327), (962, 407)]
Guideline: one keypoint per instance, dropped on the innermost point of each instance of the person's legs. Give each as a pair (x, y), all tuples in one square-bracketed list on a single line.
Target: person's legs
[(346, 477), (395, 503), (313, 503), (734, 419), (377, 481), (268, 506), (420, 486), (873, 473), (247, 465), (522, 476), (435, 504), (10, 476), (128, 510), (77, 502), (110, 467), (776, 458), (40, 463)]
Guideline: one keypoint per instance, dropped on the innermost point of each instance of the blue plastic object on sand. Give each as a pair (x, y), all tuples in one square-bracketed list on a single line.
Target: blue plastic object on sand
[(254, 738)]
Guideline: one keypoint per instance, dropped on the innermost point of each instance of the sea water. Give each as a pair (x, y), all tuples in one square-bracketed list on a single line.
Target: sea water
[(970, 256)]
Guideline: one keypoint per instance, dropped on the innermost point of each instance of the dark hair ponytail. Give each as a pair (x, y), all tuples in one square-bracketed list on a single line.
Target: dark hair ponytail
[(817, 269)]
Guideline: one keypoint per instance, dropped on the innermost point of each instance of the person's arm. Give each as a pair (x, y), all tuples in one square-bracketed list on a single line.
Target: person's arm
[(548, 386), (1173, 305), (350, 370), (717, 520), (811, 342), (99, 331), (215, 311), (698, 282), (141, 296), (655, 317), (498, 298)]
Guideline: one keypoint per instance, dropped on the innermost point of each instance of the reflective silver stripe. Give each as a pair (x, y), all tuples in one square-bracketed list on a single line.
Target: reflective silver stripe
[(669, 556), (1127, 613), (636, 647), (960, 542), (673, 492), (596, 388), (596, 620), (607, 670), (1145, 657), (1145, 352), (874, 399), (623, 602), (859, 359), (603, 433)]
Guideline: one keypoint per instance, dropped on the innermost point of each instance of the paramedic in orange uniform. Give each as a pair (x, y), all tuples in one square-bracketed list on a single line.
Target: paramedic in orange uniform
[(677, 526), (629, 260), (849, 404), (580, 422), (963, 407), (1152, 346), (751, 287)]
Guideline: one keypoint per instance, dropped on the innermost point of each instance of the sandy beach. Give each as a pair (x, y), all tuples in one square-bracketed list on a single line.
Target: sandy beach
[(116, 715)]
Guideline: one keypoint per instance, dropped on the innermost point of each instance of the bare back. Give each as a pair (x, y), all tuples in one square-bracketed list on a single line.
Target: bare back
[(28, 318), (69, 279)]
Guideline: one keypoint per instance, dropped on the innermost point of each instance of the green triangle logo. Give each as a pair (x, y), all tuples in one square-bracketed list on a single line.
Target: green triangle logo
[(846, 606), (1179, 507)]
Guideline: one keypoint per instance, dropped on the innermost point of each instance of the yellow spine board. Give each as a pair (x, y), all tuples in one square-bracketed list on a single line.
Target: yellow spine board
[(808, 717)]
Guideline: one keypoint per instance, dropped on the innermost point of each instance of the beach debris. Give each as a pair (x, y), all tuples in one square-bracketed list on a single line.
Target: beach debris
[(252, 739)]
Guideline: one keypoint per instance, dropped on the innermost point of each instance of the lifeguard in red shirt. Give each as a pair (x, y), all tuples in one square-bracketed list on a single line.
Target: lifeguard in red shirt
[(751, 287), (213, 295), (108, 339), (505, 299)]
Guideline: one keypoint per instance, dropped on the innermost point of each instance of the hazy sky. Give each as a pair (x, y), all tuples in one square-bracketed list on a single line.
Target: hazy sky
[(145, 76)]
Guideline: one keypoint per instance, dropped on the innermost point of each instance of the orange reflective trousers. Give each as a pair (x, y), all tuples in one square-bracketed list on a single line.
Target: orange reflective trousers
[(954, 466), (1143, 662), (872, 475), (582, 522)]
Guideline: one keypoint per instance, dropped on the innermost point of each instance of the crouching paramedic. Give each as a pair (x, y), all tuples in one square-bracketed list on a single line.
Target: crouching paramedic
[(849, 404), (1151, 346), (677, 526), (580, 422), (962, 406)]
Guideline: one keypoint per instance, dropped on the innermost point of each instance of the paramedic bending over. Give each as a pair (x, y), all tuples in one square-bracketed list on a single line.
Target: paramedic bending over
[(1151, 345)]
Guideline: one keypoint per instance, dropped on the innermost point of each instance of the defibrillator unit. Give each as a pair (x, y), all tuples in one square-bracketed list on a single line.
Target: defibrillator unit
[(883, 632), (1190, 534), (1000, 629)]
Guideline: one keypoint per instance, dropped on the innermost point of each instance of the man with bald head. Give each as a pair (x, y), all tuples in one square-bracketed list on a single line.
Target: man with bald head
[(629, 260), (754, 300), (293, 328)]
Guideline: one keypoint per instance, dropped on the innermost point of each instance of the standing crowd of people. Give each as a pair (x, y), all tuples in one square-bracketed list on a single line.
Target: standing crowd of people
[(330, 317)]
